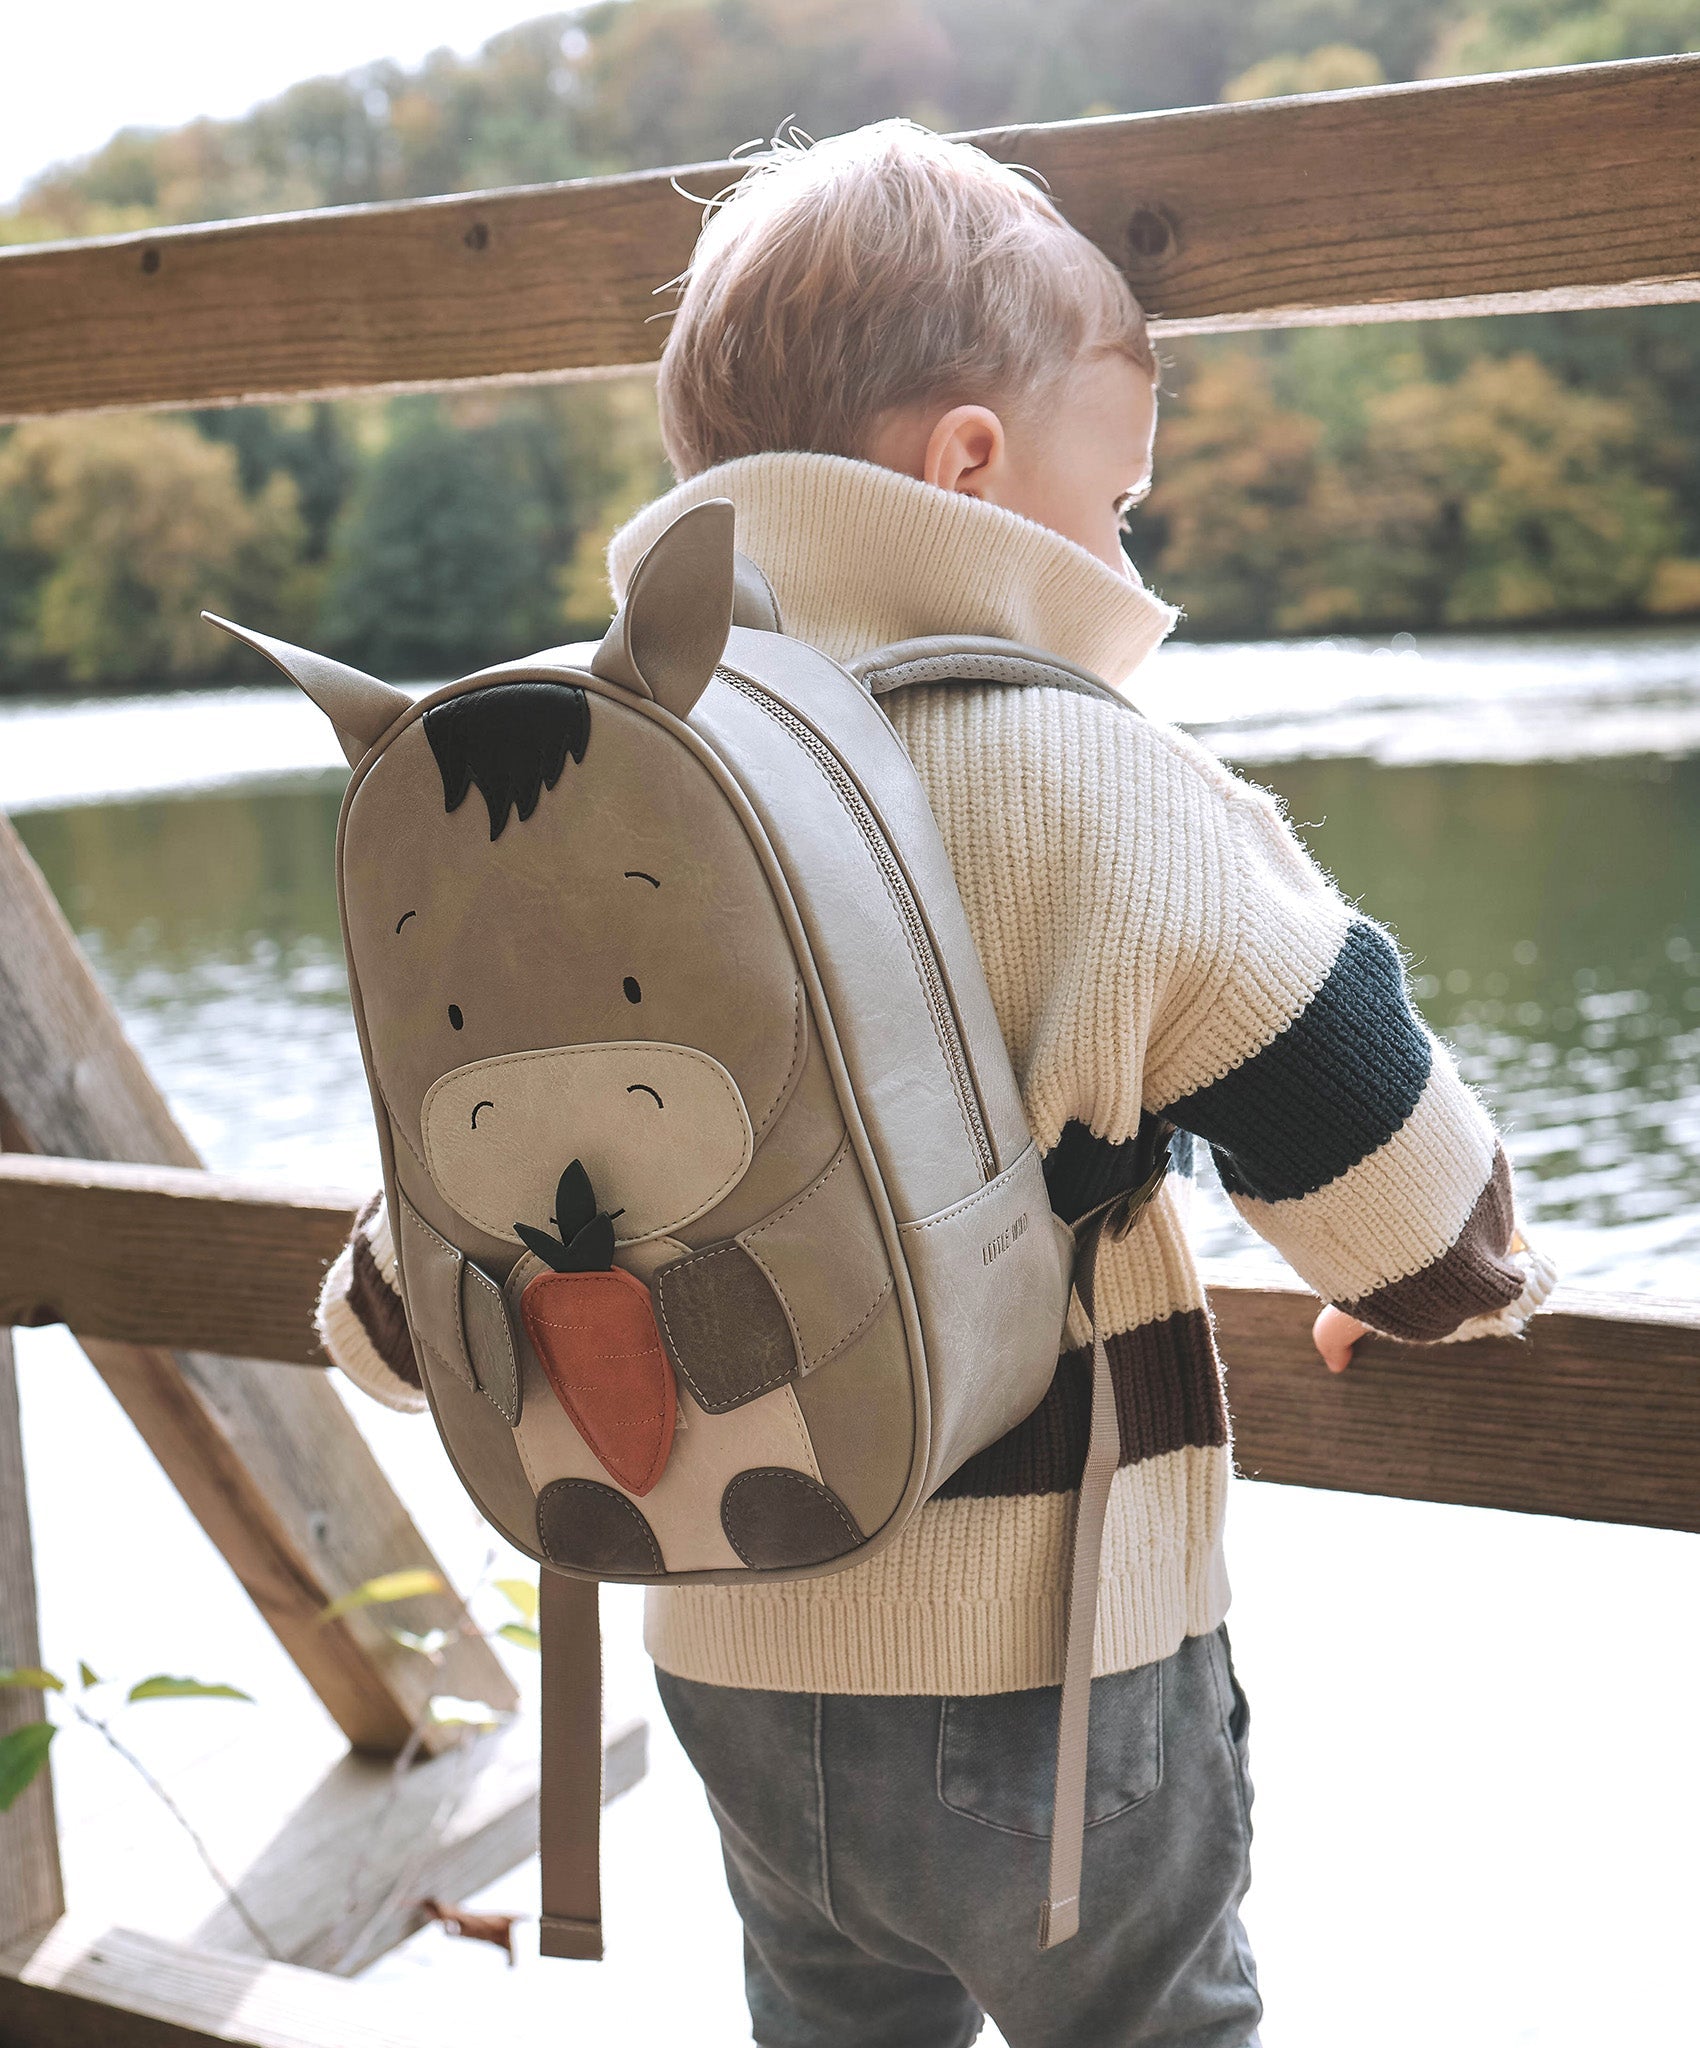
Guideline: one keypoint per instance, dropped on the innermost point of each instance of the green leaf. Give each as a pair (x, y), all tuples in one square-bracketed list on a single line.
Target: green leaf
[(163, 1688), (520, 1594), (87, 1676), (22, 1754), (517, 1632), (31, 1678), (428, 1645), (449, 1712), (379, 1592)]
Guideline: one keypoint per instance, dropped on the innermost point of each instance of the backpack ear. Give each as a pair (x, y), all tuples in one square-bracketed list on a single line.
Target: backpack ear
[(359, 707), (672, 628)]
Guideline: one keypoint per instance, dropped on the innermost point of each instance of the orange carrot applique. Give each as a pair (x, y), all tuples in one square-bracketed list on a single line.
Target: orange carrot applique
[(594, 1333)]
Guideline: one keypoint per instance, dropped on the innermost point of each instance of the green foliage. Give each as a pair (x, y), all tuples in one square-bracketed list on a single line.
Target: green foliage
[(130, 526), (22, 1754), (1335, 67), (1497, 494), (447, 1711), (431, 1644), (521, 1595), (30, 1678), (1517, 34), (440, 551), (384, 1591), (164, 1688), (1309, 479)]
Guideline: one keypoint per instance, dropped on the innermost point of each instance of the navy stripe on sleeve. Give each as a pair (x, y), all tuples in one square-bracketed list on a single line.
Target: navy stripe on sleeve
[(1332, 1088), (1082, 1171)]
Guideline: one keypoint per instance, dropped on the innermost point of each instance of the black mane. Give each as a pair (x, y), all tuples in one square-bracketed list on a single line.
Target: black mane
[(512, 739)]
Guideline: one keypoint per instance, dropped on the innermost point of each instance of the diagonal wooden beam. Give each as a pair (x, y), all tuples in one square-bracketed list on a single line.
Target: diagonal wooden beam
[(343, 1880), (270, 1463), (83, 1985), (1547, 189)]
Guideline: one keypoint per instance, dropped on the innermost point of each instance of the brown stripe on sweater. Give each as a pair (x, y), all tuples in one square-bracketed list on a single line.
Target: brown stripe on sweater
[(1168, 1389), (380, 1312), (1475, 1276)]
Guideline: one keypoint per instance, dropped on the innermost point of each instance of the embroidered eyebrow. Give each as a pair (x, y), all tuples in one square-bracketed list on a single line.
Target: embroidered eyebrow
[(638, 875), (406, 914)]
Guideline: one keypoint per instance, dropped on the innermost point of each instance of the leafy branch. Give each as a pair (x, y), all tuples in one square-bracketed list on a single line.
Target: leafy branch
[(24, 1752)]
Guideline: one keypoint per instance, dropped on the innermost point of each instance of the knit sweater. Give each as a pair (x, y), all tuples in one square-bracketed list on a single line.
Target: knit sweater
[(1157, 944)]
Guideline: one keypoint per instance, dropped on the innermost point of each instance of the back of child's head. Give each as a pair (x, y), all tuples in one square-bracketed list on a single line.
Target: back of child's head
[(882, 270)]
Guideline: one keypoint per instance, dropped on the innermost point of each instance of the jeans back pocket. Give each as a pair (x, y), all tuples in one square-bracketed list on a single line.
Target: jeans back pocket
[(997, 1753)]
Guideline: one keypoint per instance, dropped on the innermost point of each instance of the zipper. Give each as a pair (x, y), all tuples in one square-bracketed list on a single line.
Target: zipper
[(920, 939)]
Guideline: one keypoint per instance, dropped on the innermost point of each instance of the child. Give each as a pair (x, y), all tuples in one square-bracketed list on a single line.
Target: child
[(930, 401)]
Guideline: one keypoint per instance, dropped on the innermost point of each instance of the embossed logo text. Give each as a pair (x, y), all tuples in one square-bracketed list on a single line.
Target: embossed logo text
[(997, 1246)]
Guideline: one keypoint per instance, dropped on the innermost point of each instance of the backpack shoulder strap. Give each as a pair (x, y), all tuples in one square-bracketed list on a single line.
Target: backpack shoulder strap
[(975, 658)]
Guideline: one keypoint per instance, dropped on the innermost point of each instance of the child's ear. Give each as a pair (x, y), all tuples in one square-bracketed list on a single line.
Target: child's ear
[(965, 450)]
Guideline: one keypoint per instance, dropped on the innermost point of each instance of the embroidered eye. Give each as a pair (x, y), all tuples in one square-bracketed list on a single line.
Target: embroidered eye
[(455, 1018), (476, 1107), (643, 1088), (634, 994)]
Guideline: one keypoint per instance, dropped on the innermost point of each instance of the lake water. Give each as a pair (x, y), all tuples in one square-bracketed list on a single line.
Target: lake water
[(1471, 1799)]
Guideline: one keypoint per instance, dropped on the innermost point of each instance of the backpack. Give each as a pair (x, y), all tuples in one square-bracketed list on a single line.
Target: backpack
[(721, 1233)]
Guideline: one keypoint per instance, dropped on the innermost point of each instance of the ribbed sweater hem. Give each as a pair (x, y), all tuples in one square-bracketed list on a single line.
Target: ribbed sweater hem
[(937, 1615)]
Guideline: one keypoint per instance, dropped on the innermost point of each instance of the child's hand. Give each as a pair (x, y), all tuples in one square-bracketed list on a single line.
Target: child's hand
[(1334, 1333)]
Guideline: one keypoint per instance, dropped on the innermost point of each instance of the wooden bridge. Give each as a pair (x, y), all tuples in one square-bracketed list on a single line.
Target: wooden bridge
[(1548, 190)]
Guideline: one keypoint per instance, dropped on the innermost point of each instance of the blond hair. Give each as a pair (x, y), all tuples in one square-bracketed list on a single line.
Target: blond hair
[(886, 268)]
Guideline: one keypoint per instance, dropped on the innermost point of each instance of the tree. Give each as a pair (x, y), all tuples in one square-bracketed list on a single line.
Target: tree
[(1225, 530), (134, 524), (1503, 496), (442, 561), (1495, 495)]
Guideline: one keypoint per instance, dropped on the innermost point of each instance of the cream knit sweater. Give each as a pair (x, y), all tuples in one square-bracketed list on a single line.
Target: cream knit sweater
[(1155, 940)]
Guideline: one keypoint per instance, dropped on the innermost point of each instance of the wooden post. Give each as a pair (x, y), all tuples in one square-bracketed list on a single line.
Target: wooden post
[(270, 1463), (31, 1895)]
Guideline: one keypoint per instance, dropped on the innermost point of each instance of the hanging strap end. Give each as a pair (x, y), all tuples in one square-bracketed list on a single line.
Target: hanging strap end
[(1059, 1921), (577, 1941)]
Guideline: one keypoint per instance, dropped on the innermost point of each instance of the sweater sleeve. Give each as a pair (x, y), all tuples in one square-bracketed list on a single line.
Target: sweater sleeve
[(360, 1319), (1341, 1129)]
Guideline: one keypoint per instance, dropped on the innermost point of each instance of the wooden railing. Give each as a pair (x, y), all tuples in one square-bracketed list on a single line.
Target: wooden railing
[(1596, 1413), (1549, 190)]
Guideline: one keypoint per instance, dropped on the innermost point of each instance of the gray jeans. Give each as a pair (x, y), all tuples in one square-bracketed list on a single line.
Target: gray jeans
[(888, 1857)]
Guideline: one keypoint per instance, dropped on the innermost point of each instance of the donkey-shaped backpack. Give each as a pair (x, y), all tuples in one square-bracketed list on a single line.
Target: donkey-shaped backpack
[(721, 1233)]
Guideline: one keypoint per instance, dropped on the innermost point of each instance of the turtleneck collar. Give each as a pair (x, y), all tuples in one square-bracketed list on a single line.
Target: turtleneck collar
[(859, 556)]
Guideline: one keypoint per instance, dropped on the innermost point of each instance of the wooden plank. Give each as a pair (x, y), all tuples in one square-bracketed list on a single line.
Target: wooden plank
[(1595, 1414), (84, 1985), (1608, 1385), (166, 1255), (340, 1884), (32, 1894), (270, 1463), (1560, 188)]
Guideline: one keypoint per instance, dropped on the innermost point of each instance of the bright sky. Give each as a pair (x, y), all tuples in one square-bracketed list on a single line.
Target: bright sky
[(74, 72)]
